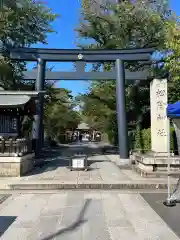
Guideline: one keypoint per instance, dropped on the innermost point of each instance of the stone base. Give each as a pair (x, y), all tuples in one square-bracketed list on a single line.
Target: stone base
[(16, 166), (124, 163), (156, 164)]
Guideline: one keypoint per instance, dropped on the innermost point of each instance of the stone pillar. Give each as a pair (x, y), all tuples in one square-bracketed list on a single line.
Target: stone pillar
[(159, 122)]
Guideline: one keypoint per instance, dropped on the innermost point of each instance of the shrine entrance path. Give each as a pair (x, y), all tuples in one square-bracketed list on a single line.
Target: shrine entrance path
[(103, 172), (83, 215)]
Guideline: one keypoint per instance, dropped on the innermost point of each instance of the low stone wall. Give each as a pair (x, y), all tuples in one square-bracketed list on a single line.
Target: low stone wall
[(157, 164), (16, 166)]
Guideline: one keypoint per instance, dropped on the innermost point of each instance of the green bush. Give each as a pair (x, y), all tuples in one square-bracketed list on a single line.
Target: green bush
[(61, 138), (112, 137), (142, 141), (105, 138)]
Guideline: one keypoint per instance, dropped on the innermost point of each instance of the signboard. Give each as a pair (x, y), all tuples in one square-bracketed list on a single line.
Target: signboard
[(78, 163), (8, 125)]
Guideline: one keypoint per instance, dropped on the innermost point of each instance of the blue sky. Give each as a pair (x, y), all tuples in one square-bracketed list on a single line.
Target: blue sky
[(66, 36)]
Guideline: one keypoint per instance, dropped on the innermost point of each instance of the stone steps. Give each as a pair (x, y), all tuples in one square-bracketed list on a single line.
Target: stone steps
[(131, 185)]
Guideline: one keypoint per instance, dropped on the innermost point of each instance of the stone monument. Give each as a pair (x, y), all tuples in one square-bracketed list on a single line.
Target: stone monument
[(159, 121), (155, 161)]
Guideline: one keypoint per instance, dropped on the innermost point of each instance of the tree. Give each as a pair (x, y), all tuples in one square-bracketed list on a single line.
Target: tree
[(129, 24), (59, 113), (99, 108), (172, 62), (21, 24)]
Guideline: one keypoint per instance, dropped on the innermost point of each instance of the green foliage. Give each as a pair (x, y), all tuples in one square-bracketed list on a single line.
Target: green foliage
[(99, 107), (173, 91), (59, 113), (129, 24), (173, 47), (21, 25), (142, 141), (26, 23)]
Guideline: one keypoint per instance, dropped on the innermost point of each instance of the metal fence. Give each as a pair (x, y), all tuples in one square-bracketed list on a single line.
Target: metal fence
[(13, 147)]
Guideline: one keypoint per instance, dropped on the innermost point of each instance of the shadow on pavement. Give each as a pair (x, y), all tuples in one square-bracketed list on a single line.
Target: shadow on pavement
[(79, 221), (5, 222), (100, 147), (171, 215), (89, 149), (49, 165), (52, 165), (59, 156)]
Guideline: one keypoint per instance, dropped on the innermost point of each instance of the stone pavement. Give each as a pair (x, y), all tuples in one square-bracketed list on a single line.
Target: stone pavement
[(3, 197), (81, 215), (103, 173), (171, 215)]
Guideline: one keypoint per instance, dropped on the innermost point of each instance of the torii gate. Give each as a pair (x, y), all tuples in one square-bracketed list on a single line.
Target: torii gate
[(81, 57)]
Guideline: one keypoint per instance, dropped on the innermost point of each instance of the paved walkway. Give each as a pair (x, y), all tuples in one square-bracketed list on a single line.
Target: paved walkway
[(81, 215), (103, 170)]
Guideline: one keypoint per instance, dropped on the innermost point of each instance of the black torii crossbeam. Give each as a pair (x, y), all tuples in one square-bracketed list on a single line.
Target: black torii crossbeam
[(73, 55), (80, 57), (82, 75)]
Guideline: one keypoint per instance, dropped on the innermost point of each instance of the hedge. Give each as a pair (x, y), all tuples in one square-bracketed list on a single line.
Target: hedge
[(142, 141)]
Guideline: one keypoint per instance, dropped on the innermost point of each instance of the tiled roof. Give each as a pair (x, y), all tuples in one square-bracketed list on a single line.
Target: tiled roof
[(13, 100)]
